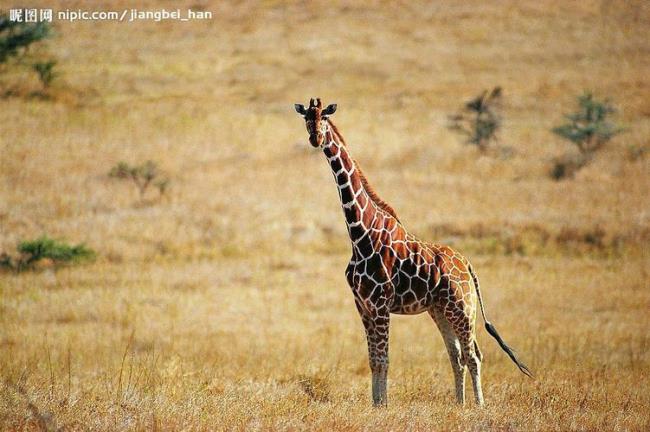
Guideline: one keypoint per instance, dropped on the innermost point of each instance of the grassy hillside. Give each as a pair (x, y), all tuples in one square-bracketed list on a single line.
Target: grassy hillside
[(223, 305)]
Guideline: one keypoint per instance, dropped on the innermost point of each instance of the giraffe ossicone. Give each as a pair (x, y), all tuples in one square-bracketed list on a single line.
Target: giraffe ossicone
[(393, 272)]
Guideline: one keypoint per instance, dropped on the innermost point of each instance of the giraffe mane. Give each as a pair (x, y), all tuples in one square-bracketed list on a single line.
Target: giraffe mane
[(364, 181)]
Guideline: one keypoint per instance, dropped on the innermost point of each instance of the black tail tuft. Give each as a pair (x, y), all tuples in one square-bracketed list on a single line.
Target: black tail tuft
[(522, 367)]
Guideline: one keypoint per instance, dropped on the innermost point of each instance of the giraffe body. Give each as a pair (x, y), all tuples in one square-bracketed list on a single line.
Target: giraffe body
[(392, 272)]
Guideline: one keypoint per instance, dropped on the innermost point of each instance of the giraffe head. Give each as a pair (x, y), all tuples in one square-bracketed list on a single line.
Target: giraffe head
[(316, 119)]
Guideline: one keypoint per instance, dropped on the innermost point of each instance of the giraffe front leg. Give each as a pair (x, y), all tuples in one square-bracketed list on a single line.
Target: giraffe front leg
[(379, 368), (377, 336)]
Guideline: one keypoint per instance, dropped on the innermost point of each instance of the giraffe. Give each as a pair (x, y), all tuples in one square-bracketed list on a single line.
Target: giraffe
[(392, 272)]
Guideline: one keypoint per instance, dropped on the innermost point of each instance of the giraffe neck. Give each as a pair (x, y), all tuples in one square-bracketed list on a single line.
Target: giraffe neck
[(358, 207)]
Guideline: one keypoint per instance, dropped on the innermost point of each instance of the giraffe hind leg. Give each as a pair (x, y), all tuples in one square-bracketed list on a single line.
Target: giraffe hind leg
[(461, 319), (478, 352), (459, 310), (472, 358), (455, 355)]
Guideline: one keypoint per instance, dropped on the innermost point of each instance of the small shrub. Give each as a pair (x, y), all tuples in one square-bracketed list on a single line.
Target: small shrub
[(32, 251), (45, 71), (479, 120), (143, 176), (589, 127)]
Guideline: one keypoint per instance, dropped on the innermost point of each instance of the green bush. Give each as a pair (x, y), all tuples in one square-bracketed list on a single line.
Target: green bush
[(32, 251), (479, 120), (16, 37), (588, 128)]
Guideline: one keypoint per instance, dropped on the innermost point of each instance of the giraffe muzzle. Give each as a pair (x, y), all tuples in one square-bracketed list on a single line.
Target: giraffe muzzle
[(316, 140)]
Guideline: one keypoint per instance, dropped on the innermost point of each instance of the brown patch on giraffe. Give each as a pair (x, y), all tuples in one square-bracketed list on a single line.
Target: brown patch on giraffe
[(346, 194), (399, 235), (447, 251), (379, 223), (424, 270), (400, 249), (434, 279), (368, 217), (331, 152), (418, 259), (356, 183), (419, 287), (365, 245), (413, 247), (390, 224), (362, 200), (356, 232), (335, 165), (388, 257), (347, 162), (457, 262), (385, 239), (426, 254), (352, 213)]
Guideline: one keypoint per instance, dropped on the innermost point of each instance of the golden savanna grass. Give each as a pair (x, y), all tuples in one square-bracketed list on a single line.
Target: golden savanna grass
[(223, 305)]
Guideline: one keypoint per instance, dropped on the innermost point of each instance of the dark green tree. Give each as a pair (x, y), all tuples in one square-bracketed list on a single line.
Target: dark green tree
[(17, 37)]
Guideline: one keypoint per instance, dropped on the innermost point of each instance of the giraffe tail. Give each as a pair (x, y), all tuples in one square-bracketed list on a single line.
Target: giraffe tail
[(493, 331)]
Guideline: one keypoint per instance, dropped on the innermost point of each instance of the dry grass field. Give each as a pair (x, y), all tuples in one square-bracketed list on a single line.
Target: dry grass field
[(223, 305)]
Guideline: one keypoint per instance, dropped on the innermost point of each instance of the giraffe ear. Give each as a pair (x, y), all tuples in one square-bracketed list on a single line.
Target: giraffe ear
[(331, 109), (300, 109)]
